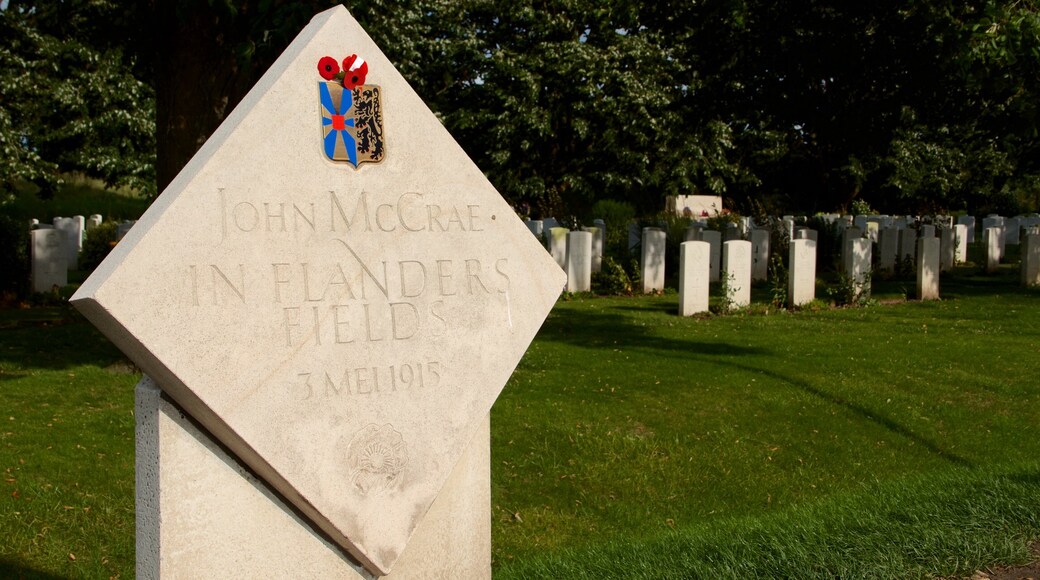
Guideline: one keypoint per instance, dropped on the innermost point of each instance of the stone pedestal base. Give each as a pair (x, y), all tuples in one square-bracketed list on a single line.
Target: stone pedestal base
[(201, 514)]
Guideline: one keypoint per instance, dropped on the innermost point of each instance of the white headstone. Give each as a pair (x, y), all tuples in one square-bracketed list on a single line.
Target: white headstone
[(759, 254), (341, 329), (597, 246), (557, 240), (807, 234), (961, 236), (1031, 260), (93, 221), (888, 249), (857, 265), (714, 239), (991, 243), (969, 222), (801, 287), (947, 249), (73, 228), (693, 277), (736, 267), (579, 261), (49, 255), (654, 242), (693, 233), (927, 269)]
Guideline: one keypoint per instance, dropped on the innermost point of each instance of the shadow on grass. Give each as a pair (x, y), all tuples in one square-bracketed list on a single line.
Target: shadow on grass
[(601, 329), (17, 570), (53, 345)]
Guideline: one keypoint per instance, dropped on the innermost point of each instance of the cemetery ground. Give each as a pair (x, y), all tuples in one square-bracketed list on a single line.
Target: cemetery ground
[(897, 440)]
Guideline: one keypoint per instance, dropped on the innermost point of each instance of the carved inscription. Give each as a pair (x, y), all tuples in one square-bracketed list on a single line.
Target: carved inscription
[(346, 296), (376, 455)]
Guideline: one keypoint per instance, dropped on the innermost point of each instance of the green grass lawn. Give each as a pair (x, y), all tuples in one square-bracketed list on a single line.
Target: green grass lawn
[(890, 441)]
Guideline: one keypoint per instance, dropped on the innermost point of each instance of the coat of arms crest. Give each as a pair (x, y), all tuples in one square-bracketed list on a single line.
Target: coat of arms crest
[(351, 112)]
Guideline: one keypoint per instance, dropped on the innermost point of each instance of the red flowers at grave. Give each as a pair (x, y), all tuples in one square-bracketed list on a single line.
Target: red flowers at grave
[(354, 71), (328, 68)]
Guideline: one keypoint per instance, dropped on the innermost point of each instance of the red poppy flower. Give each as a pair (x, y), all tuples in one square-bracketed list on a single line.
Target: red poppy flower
[(328, 68), (354, 71)]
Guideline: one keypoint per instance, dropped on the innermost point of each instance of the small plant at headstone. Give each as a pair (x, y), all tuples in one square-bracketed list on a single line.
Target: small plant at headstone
[(726, 302), (860, 207), (778, 280), (611, 280), (846, 291)]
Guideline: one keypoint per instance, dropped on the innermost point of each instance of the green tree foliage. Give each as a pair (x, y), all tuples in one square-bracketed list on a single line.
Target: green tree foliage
[(71, 98), (923, 105)]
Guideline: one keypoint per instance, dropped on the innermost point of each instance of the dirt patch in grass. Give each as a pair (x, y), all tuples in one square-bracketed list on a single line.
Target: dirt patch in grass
[(1030, 571)]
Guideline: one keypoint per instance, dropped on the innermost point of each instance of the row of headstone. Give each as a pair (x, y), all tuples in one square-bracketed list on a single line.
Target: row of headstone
[(694, 274), (55, 248), (578, 253)]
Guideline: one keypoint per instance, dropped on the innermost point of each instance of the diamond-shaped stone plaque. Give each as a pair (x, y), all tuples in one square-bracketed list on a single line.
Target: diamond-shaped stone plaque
[(342, 328)]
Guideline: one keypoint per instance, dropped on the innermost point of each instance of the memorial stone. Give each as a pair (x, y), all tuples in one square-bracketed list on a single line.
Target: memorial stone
[(579, 261), (947, 249), (908, 245), (535, 226), (888, 249), (49, 255), (736, 266), (124, 228), (597, 247), (714, 239), (635, 235), (339, 313), (801, 288), (926, 231), (1014, 229), (1031, 260), (991, 243), (73, 228), (558, 245), (693, 233), (969, 223), (549, 223), (93, 221), (759, 254), (961, 237), (927, 269), (857, 266), (732, 232), (807, 234), (654, 242), (694, 260)]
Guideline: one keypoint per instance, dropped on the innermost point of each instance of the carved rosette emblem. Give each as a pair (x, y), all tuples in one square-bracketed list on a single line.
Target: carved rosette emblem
[(351, 112), (376, 457)]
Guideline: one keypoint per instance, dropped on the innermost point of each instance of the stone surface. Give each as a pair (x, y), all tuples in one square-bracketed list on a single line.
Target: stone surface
[(947, 249), (1013, 231), (344, 331), (535, 226), (653, 259), (857, 264), (927, 265), (557, 240), (801, 283), (597, 246), (961, 238), (759, 254), (48, 249), (1031, 260), (908, 245), (714, 239), (888, 249), (579, 261), (991, 245), (969, 222), (693, 277), (736, 267), (202, 514)]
